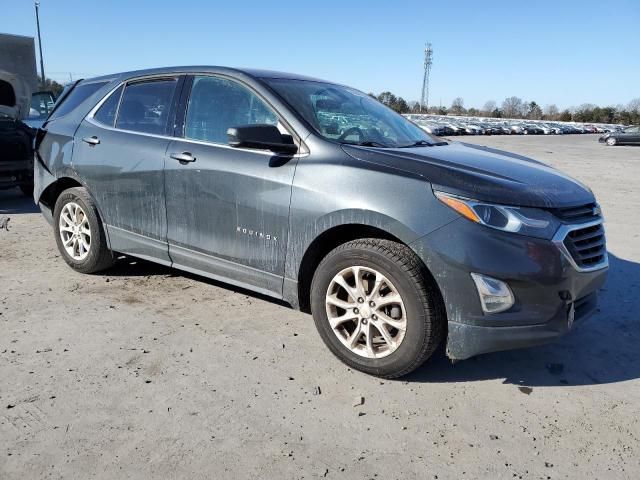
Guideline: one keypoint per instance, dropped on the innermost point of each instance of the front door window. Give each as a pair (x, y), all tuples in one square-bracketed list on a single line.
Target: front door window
[(216, 104)]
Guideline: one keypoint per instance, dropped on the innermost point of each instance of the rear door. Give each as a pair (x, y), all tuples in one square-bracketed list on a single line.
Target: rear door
[(119, 153), (227, 208)]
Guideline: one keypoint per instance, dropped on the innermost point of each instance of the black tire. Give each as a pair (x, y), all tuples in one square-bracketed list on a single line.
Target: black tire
[(425, 313), (99, 257), (612, 141), (27, 189)]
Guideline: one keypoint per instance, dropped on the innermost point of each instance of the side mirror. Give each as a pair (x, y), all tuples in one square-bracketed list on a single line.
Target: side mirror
[(262, 137)]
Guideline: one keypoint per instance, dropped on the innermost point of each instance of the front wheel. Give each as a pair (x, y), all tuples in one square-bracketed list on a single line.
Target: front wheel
[(375, 308), (612, 141), (79, 233)]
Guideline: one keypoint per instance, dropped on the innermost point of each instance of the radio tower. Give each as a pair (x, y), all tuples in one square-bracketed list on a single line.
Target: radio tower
[(428, 60)]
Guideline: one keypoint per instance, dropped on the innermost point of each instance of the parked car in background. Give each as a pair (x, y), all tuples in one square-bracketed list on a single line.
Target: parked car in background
[(433, 128), (16, 154), (456, 128), (41, 105), (530, 129), (505, 129), (628, 136), (517, 129), (464, 125), (16, 135)]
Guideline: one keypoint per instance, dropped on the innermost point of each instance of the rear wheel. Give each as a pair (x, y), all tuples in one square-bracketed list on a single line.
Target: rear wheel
[(611, 141), (375, 309), (79, 233)]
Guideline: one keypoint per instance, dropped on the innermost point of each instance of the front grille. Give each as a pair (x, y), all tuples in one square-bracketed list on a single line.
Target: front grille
[(587, 246), (582, 213)]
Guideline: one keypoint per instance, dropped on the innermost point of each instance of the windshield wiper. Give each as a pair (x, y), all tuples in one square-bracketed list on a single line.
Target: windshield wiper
[(423, 143), (367, 143)]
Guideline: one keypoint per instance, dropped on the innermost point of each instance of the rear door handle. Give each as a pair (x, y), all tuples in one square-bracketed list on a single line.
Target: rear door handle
[(183, 158), (91, 140)]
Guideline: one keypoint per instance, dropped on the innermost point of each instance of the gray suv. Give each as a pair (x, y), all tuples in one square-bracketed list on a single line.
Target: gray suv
[(316, 194)]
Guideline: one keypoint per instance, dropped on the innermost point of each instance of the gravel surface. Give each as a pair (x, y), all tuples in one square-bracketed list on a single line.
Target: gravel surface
[(145, 372)]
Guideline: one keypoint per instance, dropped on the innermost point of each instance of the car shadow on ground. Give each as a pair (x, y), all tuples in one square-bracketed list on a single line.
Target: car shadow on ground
[(13, 201), (603, 349), (126, 266)]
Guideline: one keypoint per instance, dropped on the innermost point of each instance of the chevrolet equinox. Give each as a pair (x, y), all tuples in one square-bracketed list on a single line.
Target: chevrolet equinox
[(316, 194)]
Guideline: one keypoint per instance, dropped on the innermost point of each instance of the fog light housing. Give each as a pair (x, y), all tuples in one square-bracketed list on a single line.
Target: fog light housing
[(495, 295)]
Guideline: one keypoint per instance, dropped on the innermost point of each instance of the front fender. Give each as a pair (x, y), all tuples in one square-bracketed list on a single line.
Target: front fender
[(333, 189)]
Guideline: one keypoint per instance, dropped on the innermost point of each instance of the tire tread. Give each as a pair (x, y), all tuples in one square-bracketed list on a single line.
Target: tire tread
[(429, 294), (105, 258)]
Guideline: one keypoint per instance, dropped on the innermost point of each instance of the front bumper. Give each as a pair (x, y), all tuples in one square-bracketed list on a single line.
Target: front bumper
[(15, 173), (550, 294)]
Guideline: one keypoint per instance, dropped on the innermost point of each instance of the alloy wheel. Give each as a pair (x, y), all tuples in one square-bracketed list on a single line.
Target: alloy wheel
[(75, 231), (366, 312)]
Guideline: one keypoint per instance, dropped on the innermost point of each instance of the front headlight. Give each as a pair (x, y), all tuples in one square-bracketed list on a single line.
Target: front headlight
[(525, 221)]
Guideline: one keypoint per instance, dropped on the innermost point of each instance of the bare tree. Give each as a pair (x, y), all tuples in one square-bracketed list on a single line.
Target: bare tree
[(634, 106), (489, 107), (512, 107), (583, 113), (457, 106), (551, 112)]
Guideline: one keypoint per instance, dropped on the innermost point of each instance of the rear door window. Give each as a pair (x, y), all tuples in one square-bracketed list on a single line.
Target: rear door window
[(145, 106), (78, 95)]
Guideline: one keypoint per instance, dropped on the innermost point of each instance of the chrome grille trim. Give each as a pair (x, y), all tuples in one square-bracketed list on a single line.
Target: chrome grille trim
[(563, 232)]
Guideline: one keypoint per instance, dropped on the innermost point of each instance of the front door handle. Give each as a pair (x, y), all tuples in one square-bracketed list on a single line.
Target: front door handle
[(183, 158), (91, 140)]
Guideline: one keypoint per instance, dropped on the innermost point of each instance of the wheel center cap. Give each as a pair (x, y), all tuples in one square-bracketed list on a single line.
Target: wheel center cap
[(365, 311)]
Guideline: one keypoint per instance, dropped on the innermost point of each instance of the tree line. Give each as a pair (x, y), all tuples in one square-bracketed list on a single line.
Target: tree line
[(50, 86), (516, 107)]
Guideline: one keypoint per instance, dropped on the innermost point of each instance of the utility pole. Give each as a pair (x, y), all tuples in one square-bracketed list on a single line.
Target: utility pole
[(40, 43), (428, 60)]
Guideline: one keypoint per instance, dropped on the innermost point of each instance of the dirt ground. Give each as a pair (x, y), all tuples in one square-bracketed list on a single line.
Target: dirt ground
[(144, 372)]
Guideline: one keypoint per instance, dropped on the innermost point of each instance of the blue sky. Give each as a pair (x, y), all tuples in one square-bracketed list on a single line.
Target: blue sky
[(562, 52)]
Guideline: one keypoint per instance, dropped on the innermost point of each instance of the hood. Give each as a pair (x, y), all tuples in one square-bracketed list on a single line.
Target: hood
[(15, 95), (482, 173)]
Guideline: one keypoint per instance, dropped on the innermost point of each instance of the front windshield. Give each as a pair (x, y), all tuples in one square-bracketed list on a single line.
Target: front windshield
[(348, 116)]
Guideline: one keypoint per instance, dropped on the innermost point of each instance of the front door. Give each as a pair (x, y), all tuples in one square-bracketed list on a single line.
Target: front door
[(632, 135), (121, 161), (227, 208)]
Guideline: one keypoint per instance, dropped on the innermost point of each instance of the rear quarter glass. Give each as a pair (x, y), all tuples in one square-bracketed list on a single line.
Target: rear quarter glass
[(78, 95)]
